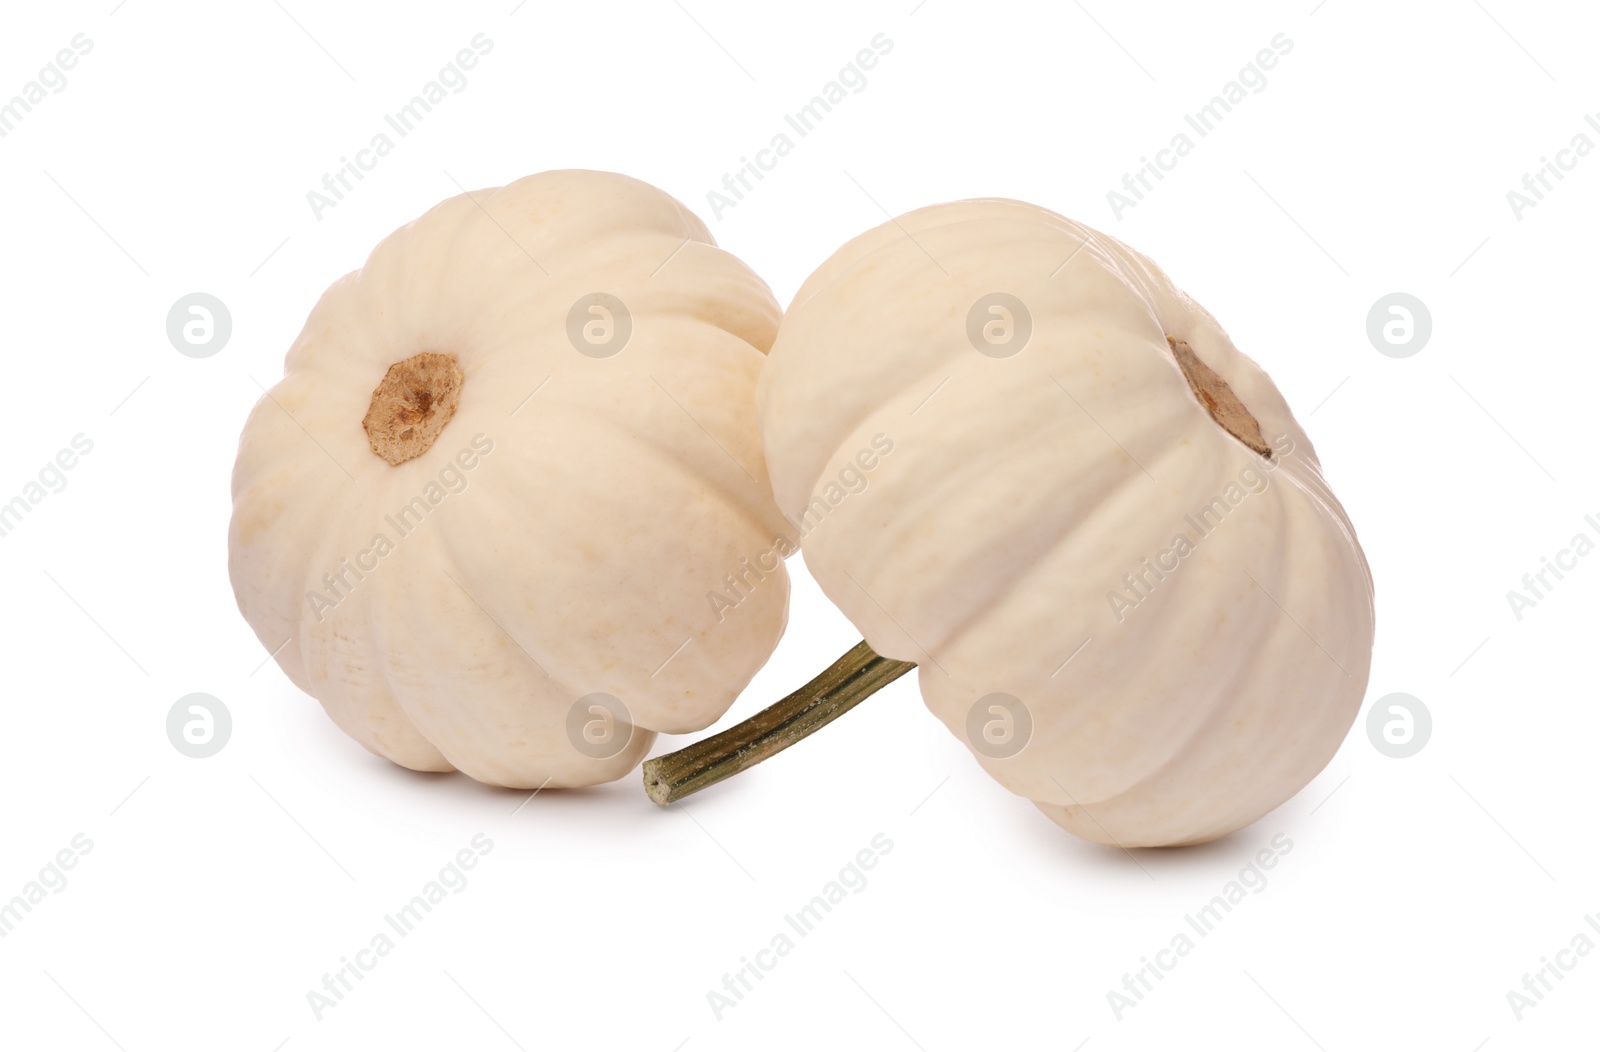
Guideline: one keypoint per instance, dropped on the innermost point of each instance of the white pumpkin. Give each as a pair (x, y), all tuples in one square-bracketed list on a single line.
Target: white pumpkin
[(1140, 612), (480, 516)]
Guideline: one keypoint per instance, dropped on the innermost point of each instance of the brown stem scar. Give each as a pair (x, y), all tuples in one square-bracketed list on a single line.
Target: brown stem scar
[(1218, 398), (410, 406)]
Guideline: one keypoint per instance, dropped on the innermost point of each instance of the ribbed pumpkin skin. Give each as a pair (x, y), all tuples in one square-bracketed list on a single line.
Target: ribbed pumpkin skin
[(988, 546), (577, 554)]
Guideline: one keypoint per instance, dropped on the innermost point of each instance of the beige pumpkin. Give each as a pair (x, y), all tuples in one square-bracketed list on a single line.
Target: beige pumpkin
[(1102, 536), (480, 516)]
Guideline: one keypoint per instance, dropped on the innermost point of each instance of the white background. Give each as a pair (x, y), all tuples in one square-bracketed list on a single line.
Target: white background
[(218, 892)]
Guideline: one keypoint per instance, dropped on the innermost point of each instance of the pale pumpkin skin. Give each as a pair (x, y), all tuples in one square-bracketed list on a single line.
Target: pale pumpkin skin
[(579, 556), (985, 548)]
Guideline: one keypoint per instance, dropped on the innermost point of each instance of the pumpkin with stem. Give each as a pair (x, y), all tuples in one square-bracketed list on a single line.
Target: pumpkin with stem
[(1103, 540)]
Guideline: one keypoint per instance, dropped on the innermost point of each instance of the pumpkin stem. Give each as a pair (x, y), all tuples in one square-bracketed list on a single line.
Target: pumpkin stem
[(1218, 398), (410, 406), (855, 677)]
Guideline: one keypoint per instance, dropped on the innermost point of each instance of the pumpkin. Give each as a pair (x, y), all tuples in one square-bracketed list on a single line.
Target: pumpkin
[(1102, 538), (480, 516)]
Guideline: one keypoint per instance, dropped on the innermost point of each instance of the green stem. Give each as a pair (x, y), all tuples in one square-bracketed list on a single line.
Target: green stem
[(846, 683)]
